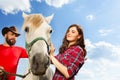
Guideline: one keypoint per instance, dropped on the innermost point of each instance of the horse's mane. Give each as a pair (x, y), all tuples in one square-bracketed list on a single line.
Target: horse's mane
[(34, 19)]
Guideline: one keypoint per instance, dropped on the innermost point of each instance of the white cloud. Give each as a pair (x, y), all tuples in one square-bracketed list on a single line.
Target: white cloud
[(89, 46), (57, 3), (13, 6), (102, 49), (102, 63), (104, 32), (90, 17), (39, 0)]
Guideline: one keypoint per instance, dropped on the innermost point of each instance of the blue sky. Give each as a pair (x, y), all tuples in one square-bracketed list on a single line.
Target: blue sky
[(100, 22)]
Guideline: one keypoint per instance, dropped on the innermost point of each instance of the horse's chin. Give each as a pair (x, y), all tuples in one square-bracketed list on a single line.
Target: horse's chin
[(38, 71), (37, 74)]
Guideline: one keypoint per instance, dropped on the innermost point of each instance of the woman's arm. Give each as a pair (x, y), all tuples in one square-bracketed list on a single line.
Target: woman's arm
[(59, 66)]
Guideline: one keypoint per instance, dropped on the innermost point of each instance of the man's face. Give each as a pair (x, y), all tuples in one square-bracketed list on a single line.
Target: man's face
[(10, 38)]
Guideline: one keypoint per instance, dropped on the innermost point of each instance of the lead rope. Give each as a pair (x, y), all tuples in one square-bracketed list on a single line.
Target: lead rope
[(5, 73)]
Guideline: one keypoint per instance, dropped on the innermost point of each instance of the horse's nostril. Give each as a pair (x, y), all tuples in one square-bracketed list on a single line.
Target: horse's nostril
[(47, 61), (35, 63)]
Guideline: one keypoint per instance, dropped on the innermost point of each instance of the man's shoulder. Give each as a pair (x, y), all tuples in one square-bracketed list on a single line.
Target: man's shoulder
[(1, 44), (18, 47)]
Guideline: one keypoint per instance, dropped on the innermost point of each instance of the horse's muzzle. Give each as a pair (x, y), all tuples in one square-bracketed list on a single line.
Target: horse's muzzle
[(39, 64)]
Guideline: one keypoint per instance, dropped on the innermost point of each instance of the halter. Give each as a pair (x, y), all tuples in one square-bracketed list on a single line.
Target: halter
[(29, 45)]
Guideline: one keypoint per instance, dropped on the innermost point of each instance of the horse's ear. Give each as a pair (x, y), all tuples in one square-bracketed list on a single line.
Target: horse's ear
[(49, 18), (24, 15)]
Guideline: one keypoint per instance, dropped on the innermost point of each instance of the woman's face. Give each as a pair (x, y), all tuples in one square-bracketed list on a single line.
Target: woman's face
[(72, 35)]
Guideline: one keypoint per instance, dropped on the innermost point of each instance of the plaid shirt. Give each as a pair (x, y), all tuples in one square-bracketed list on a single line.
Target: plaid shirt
[(73, 59)]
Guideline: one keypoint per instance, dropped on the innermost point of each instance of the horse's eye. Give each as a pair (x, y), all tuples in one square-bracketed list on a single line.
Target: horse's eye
[(27, 29), (50, 31)]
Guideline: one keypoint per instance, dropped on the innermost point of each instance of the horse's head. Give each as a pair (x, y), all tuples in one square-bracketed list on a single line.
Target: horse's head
[(38, 32)]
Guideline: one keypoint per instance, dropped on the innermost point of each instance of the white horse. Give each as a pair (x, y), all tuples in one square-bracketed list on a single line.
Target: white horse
[(38, 31)]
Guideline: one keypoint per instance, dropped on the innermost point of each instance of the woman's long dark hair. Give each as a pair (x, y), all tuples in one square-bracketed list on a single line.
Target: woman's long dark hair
[(80, 42)]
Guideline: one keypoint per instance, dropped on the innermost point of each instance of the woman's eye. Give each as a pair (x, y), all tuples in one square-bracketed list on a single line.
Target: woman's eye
[(73, 31)]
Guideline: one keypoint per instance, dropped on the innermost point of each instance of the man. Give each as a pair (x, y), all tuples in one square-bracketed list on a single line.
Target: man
[(10, 54)]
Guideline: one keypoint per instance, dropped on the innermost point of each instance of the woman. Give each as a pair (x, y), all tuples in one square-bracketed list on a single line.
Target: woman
[(71, 54)]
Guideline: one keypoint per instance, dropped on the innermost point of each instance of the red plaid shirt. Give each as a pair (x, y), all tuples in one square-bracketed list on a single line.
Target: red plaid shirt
[(73, 59)]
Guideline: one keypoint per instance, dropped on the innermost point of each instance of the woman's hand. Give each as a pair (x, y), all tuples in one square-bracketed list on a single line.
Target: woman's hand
[(52, 49), (1, 70)]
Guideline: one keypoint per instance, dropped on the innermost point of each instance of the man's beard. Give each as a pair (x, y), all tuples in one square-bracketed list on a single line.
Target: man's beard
[(10, 41)]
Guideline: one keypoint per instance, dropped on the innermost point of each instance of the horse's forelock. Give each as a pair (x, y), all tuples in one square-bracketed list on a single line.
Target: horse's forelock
[(35, 20)]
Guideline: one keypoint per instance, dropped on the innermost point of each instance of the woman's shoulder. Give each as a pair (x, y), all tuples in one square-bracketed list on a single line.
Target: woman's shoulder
[(76, 48), (76, 51)]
